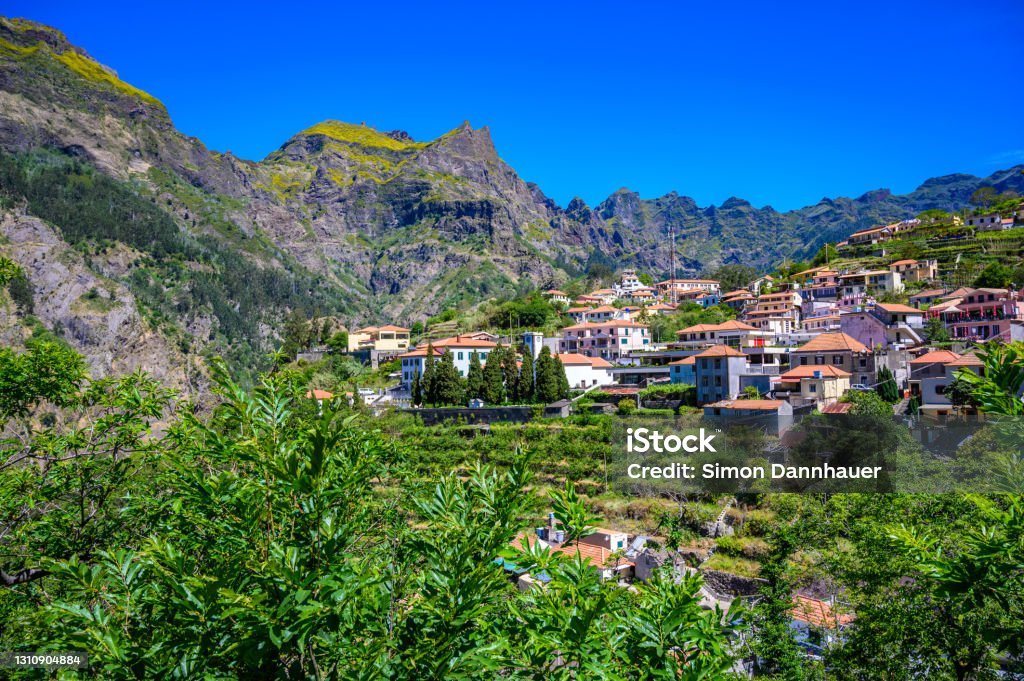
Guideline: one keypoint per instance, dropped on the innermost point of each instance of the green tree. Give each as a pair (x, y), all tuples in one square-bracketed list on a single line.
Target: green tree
[(998, 387), (984, 196), (296, 334), (417, 390), (449, 387), (494, 378), (526, 378), (20, 289), (935, 331), (561, 377), (732, 277), (475, 377), (826, 254), (46, 372), (995, 275), (429, 374), (510, 374), (546, 386), (886, 386), (338, 342)]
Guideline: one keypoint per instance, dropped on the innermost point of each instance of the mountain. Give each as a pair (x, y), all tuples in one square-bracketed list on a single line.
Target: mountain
[(215, 251)]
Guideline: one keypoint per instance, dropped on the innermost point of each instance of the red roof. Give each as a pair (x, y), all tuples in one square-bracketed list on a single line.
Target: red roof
[(721, 351), (837, 408), (572, 358), (685, 360), (463, 342), (832, 342), (319, 395), (897, 307), (936, 357), (818, 613), (808, 370)]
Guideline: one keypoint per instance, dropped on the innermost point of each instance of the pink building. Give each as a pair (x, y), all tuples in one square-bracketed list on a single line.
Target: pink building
[(609, 340)]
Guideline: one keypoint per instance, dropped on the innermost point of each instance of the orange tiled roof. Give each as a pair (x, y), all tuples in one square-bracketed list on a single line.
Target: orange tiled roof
[(807, 371), (463, 342), (818, 613), (897, 307), (837, 408), (936, 357), (572, 358), (319, 395), (903, 262), (392, 327), (969, 359), (685, 360), (721, 351), (831, 342)]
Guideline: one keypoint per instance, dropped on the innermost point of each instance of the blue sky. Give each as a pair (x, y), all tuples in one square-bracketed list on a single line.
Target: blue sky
[(779, 103)]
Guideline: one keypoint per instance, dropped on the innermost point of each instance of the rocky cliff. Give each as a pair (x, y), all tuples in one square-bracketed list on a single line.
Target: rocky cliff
[(343, 219)]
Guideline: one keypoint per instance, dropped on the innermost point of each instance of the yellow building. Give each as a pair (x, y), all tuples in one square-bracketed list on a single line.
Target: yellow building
[(380, 338)]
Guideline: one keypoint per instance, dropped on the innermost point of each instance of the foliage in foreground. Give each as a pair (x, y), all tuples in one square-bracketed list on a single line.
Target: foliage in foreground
[(273, 541)]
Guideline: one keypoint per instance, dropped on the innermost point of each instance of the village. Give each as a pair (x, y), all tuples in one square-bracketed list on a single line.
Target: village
[(793, 345)]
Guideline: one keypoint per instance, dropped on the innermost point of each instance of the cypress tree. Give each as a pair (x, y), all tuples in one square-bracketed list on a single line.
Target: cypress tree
[(525, 384), (510, 374), (887, 388), (417, 390), (493, 385), (546, 388), (563, 380), (429, 391), (475, 377), (448, 384)]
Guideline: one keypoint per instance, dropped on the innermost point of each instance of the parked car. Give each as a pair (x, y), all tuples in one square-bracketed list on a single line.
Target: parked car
[(860, 387)]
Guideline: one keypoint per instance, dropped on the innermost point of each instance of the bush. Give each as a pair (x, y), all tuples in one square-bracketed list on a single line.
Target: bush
[(671, 391), (626, 407)]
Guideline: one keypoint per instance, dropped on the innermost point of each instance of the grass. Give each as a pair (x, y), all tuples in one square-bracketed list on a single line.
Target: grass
[(733, 565), (361, 135), (94, 72)]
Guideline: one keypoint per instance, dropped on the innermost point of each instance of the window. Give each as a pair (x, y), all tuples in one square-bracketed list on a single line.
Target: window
[(623, 341), (837, 360), (460, 355), (718, 381), (813, 387), (803, 361), (863, 361)]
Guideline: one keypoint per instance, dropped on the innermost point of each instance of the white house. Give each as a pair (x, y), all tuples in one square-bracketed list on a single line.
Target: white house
[(461, 347), (586, 372)]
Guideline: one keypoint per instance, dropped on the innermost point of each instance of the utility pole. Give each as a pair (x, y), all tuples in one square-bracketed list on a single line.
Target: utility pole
[(672, 276)]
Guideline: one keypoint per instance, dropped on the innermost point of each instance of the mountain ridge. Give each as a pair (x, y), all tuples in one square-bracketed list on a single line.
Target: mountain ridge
[(372, 225)]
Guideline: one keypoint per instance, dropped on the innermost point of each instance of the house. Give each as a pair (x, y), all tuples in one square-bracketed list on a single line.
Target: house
[(586, 372), (821, 323), (884, 325), (912, 271), (932, 387), (929, 365), (604, 549), (380, 338), (722, 372), (628, 283), (823, 285), (605, 295), (926, 297), (872, 235), (818, 384), (603, 313), (461, 347), (579, 313), (981, 314), (775, 415), (610, 339), (661, 308), (840, 351), (644, 295), (775, 306), (738, 299), (816, 624), (988, 223), (556, 296), (869, 281), (732, 333), (682, 371), (671, 288), (766, 281)]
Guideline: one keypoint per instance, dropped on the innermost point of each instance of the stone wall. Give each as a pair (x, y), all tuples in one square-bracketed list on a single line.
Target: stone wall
[(432, 417), (728, 584)]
